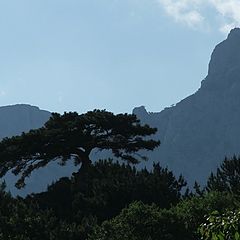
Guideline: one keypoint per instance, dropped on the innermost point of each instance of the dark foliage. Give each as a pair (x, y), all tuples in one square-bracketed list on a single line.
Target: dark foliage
[(108, 200), (95, 206), (142, 222), (227, 177), (192, 211), (21, 221), (107, 188), (73, 135)]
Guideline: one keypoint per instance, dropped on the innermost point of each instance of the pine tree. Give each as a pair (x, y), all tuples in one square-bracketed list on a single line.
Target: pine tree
[(74, 136)]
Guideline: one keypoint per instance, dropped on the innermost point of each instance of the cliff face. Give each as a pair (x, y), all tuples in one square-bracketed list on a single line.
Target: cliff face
[(202, 129)]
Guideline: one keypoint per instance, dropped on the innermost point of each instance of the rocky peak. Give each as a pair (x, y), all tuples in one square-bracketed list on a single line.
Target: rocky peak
[(141, 111), (224, 66)]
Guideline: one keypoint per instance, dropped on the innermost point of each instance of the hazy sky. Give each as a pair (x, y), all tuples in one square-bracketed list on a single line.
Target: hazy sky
[(108, 54)]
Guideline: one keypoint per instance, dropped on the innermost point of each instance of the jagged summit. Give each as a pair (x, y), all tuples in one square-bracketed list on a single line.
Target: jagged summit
[(140, 111)]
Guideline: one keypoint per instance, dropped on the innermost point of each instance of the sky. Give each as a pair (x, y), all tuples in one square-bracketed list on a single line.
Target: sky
[(79, 55)]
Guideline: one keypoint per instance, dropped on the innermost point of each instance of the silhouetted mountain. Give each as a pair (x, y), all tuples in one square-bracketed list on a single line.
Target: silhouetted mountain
[(199, 131)]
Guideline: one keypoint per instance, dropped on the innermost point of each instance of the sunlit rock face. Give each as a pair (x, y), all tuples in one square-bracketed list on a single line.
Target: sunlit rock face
[(203, 128)]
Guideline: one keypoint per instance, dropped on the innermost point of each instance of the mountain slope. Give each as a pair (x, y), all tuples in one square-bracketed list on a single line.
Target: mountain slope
[(202, 129)]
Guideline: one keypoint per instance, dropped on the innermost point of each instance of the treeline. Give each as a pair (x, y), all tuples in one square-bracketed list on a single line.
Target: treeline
[(108, 200), (114, 201)]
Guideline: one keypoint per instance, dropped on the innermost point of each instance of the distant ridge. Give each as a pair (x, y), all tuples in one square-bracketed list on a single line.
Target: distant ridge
[(18, 118)]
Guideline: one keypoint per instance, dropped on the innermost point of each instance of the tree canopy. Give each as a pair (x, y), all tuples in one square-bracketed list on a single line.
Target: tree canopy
[(227, 177), (221, 226), (140, 221), (108, 187), (74, 136)]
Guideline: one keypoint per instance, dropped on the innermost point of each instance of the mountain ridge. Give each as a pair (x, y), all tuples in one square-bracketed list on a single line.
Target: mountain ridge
[(200, 130)]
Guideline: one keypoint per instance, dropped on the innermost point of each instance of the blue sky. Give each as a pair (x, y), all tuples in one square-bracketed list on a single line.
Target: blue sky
[(77, 55)]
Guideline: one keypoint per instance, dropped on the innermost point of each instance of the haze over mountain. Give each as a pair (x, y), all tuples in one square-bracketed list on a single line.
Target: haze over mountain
[(199, 131)]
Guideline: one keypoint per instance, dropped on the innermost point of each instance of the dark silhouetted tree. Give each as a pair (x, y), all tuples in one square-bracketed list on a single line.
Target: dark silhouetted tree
[(107, 188), (73, 135), (227, 177)]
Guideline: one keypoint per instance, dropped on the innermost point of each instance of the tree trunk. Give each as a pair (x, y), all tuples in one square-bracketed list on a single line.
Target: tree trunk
[(85, 162), (82, 177)]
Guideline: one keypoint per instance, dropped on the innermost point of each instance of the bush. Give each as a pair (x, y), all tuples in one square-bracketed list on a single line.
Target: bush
[(221, 226), (140, 221), (192, 211)]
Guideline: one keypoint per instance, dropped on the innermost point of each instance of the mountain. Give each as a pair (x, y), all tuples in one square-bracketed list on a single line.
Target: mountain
[(196, 134), (199, 131), (15, 119), (19, 118)]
